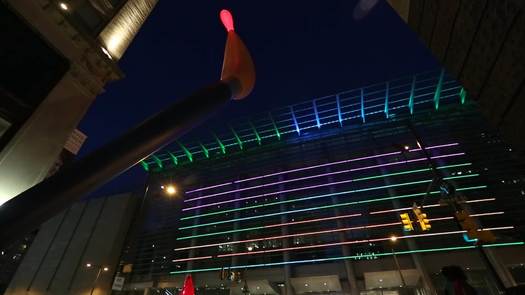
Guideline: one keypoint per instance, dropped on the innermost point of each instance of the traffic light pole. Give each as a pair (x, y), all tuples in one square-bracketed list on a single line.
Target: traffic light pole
[(455, 207)]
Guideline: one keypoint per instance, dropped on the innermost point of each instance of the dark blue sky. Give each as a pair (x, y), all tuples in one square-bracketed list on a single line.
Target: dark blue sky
[(301, 50)]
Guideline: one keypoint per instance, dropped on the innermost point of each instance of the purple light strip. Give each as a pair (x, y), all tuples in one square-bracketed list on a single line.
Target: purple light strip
[(318, 185), (312, 167)]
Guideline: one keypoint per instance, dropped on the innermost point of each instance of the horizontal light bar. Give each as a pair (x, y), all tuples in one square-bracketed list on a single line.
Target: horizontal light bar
[(430, 206), (327, 206), (335, 183), (354, 242), (191, 259), (308, 187), (384, 254), (318, 197), (310, 167), (322, 219), (353, 257), (362, 227)]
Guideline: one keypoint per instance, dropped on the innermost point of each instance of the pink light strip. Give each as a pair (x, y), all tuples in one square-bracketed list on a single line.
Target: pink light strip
[(429, 206), (320, 232), (190, 259), (312, 167), (309, 187)]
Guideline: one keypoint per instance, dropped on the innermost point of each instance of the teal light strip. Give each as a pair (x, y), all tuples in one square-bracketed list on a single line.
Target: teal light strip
[(277, 133), (325, 207), (237, 138), (174, 159), (205, 151), (257, 136), (145, 165), (386, 99), (355, 257), (221, 233), (437, 94), (158, 161), (412, 94), (219, 142), (345, 192), (186, 151), (462, 95)]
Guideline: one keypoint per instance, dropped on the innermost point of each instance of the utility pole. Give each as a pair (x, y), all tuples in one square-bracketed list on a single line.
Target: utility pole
[(449, 197)]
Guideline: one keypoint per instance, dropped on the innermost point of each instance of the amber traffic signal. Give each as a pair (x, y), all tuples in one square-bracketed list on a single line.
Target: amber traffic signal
[(407, 223)]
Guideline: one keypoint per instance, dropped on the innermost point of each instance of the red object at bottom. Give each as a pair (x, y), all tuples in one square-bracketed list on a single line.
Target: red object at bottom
[(188, 289)]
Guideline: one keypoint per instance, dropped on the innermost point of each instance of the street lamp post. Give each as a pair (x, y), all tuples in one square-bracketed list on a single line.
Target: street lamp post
[(393, 239), (100, 269)]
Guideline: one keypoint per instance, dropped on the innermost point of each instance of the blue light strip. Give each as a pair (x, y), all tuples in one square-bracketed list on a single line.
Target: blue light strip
[(316, 114), (339, 117), (295, 121), (356, 257)]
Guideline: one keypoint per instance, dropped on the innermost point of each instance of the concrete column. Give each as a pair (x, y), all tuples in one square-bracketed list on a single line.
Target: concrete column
[(349, 267), (31, 153), (288, 273), (236, 247)]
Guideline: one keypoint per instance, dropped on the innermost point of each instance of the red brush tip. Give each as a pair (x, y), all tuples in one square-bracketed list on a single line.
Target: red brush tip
[(227, 20)]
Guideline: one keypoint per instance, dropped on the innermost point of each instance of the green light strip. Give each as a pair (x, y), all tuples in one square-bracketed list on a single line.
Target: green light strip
[(221, 145), (257, 137), (345, 192), (237, 138), (157, 160), (174, 158), (463, 95), (325, 207), (384, 254), (205, 151), (221, 233), (186, 151), (277, 133), (145, 165), (437, 94)]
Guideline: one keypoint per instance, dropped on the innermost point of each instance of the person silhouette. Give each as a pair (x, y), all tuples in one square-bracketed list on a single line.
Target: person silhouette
[(456, 281)]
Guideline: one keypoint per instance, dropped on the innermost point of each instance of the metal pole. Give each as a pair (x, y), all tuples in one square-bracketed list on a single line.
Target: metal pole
[(399, 268), (31, 208), (96, 280)]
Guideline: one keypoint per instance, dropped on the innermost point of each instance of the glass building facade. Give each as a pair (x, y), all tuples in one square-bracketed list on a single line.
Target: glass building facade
[(307, 199)]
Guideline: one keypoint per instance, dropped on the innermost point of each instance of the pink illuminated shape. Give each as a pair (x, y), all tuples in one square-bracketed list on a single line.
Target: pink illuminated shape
[(227, 20)]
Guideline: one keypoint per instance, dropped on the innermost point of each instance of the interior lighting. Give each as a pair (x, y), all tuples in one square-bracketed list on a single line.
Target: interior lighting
[(324, 196), (430, 250), (325, 184), (362, 227), (328, 206)]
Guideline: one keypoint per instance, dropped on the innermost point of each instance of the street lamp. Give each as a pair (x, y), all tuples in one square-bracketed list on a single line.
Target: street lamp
[(101, 269), (170, 189)]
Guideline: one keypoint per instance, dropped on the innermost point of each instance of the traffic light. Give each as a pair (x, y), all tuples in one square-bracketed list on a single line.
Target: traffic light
[(471, 227), (407, 223), (424, 223)]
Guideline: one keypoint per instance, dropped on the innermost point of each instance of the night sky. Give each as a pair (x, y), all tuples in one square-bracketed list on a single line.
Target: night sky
[(301, 50)]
